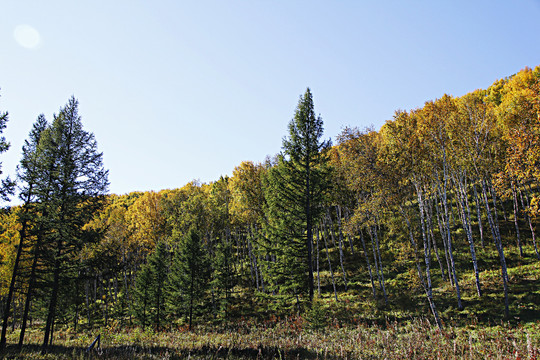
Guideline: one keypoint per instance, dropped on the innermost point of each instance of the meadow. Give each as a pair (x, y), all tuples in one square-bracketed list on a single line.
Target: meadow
[(294, 339)]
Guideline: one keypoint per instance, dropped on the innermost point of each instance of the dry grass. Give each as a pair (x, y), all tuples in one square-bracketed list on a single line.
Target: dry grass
[(292, 339)]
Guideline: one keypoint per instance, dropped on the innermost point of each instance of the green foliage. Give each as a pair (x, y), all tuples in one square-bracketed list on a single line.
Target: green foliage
[(317, 316), (151, 293), (63, 183), (223, 279), (295, 190), (189, 277), (143, 295), (7, 187)]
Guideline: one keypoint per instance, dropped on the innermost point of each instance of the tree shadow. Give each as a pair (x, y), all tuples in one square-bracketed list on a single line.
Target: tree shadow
[(139, 352)]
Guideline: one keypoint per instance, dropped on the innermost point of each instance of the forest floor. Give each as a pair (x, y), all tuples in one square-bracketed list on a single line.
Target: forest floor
[(294, 339), (358, 326)]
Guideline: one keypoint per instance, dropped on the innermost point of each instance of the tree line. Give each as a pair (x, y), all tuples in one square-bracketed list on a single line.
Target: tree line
[(434, 185)]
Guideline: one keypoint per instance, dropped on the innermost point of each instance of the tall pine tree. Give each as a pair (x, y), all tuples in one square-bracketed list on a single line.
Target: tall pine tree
[(73, 182), (296, 189), (27, 174)]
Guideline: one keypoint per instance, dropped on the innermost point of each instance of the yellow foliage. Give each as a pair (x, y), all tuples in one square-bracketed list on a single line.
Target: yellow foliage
[(9, 239), (247, 192)]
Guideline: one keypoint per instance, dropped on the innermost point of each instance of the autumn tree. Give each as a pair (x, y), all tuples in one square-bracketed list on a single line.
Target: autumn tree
[(114, 259), (146, 222)]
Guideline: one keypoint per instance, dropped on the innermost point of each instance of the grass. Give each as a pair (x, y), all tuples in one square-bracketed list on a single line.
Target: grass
[(293, 338)]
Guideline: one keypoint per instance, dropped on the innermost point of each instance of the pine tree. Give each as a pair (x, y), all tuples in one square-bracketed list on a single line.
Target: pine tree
[(143, 295), (158, 263), (223, 276), (296, 189), (189, 277), (151, 289), (7, 187), (72, 183), (27, 174)]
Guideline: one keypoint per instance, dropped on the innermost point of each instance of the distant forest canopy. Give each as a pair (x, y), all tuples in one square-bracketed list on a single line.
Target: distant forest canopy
[(411, 219)]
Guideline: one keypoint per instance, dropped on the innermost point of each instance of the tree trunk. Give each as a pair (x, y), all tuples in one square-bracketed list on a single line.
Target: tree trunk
[(54, 298), (383, 286), (496, 200), (318, 273), (418, 268), (478, 215), (340, 225), (429, 220), (368, 265), (309, 229), (449, 236), (87, 295), (9, 298), (466, 222), (329, 263), (525, 207), (427, 255), (331, 225), (515, 203), (497, 239), (440, 222), (375, 258), (31, 283)]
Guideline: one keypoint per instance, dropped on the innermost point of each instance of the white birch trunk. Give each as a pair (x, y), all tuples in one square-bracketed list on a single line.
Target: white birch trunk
[(479, 215), (463, 202), (497, 239), (368, 265), (383, 287), (340, 243), (448, 233), (516, 224), (329, 262), (429, 220), (427, 256)]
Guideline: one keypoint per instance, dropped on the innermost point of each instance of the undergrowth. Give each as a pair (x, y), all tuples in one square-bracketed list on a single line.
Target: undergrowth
[(293, 338)]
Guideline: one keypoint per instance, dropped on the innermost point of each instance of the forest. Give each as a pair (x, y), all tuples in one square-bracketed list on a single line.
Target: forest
[(416, 240)]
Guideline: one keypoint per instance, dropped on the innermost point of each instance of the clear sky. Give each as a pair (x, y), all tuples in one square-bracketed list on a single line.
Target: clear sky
[(183, 90)]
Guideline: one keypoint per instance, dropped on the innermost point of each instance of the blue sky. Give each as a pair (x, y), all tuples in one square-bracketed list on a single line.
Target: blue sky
[(183, 90)]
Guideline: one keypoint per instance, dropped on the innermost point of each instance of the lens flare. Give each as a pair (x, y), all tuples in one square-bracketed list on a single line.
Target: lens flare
[(27, 36)]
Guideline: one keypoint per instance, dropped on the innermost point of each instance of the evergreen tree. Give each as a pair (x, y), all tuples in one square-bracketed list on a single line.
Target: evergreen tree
[(143, 295), (223, 276), (151, 289), (28, 176), (8, 186), (296, 188), (72, 183), (28, 218), (189, 278), (158, 263), (175, 295)]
